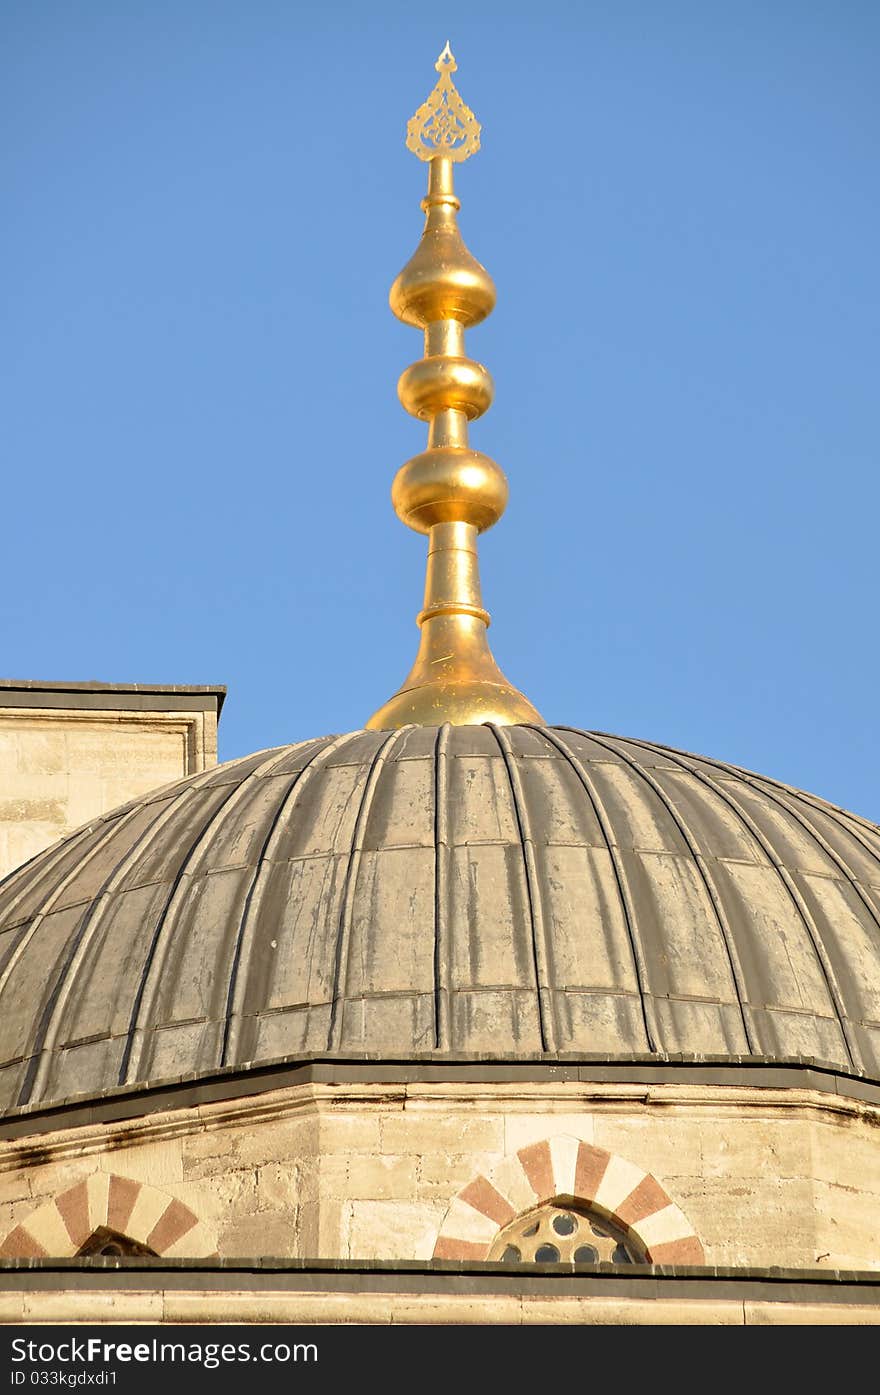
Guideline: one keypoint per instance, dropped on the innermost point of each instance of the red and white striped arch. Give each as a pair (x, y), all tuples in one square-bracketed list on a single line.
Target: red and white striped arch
[(146, 1215), (566, 1169)]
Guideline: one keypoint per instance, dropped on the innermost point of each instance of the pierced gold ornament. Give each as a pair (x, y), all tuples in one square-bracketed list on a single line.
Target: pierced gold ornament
[(444, 125)]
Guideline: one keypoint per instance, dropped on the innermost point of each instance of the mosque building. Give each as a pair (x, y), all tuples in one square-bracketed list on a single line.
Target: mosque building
[(457, 1018)]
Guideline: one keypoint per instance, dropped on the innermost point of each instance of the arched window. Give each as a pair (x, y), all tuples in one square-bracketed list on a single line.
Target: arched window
[(105, 1241), (560, 1233)]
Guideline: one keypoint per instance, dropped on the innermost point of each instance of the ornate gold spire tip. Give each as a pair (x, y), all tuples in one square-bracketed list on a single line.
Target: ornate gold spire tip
[(450, 491), (444, 124)]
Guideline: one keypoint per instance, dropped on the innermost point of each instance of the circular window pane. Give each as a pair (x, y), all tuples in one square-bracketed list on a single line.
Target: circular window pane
[(546, 1254), (562, 1234)]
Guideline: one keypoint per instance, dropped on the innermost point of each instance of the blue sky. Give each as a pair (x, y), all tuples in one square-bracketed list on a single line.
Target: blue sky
[(205, 204)]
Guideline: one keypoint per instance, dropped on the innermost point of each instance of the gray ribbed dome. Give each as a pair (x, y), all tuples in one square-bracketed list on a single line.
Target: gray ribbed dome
[(515, 893)]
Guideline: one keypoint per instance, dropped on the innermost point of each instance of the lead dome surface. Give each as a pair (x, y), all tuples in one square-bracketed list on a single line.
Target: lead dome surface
[(517, 893)]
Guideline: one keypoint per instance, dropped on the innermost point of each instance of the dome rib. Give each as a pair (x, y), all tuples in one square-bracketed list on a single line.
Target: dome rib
[(706, 878), (834, 993), (785, 802), (343, 937), (442, 945), (537, 928), (43, 908), (237, 988), (47, 862), (159, 947), (639, 962), (52, 1014)]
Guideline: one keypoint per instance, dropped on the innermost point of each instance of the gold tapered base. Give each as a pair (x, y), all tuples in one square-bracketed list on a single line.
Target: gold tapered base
[(454, 679), (469, 704)]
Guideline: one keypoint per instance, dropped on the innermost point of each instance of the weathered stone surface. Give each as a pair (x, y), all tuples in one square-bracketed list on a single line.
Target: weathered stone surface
[(204, 1305), (130, 1306), (377, 1226), (423, 1129), (262, 1233), (522, 1129), (319, 1180), (811, 1314), (60, 768)]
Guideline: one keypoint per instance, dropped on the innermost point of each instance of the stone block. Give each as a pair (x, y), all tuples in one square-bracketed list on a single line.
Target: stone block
[(758, 1148), (51, 1178), (563, 1159), (662, 1143), (456, 1309), (276, 1307), (276, 1186), (326, 1230), (46, 1226), (84, 1305), (522, 1129), (210, 1151), (509, 1177), (276, 1140), (846, 1151), (663, 1227), (268, 1234), (443, 1174), (746, 1223), (620, 1178), (149, 1208), (420, 1130), (392, 1230), (157, 1164), (381, 1177), (98, 1199), (350, 1133), (215, 1200), (39, 750), (329, 1177), (12, 1307), (811, 1314), (197, 1243), (848, 1222), (464, 1222)]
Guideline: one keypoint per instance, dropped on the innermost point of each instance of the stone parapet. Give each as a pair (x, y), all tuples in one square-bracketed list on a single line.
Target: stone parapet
[(70, 752)]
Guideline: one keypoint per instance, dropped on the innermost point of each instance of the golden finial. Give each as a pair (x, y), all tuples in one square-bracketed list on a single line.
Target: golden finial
[(444, 125), (450, 492)]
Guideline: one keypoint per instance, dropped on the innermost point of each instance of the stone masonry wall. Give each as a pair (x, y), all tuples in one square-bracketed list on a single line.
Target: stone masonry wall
[(764, 1177)]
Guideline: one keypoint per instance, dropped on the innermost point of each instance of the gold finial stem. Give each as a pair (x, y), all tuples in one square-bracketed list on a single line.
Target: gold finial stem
[(448, 428), (450, 491), (444, 337), (441, 185), (452, 581)]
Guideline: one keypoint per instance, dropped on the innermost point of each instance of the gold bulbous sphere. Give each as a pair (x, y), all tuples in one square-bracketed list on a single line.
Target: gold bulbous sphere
[(442, 281), (449, 484), (445, 382)]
